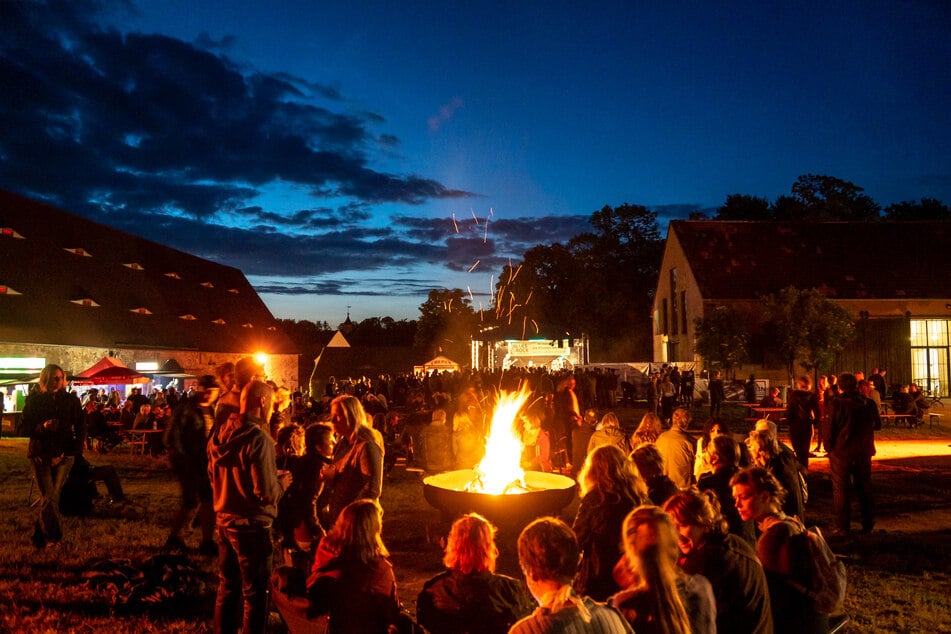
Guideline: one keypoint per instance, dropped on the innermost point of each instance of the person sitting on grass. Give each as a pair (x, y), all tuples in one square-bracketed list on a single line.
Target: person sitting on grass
[(469, 596), (352, 579), (548, 554), (659, 597), (726, 561), (785, 556)]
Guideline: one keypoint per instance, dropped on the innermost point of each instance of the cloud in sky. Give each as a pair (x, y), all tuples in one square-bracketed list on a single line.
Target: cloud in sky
[(279, 176)]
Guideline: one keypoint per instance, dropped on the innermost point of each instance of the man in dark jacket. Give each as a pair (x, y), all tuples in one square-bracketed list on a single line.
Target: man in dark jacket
[(246, 491), (186, 440), (850, 441)]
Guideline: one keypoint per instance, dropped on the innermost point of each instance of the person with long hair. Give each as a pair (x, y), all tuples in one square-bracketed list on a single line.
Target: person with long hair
[(647, 431), (357, 469), (352, 578), (660, 598), (726, 561), (54, 421), (782, 550), (610, 488), (469, 596)]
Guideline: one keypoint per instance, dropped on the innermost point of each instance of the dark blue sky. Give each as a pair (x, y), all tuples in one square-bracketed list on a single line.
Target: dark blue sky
[(324, 148)]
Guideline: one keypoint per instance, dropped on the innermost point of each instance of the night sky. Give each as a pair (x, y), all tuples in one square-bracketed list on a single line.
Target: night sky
[(361, 153)]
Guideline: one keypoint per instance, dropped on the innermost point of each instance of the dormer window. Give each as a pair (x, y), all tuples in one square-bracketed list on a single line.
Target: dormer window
[(79, 251), (141, 310), (188, 317), (247, 325), (10, 232), (234, 290), (219, 321), (135, 266), (173, 275), (272, 328), (6, 290), (89, 302), (207, 284)]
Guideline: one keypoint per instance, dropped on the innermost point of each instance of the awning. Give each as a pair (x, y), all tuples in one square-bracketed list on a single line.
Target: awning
[(171, 369)]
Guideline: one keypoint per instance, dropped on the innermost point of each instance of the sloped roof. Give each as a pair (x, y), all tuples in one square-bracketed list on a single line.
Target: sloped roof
[(67, 280), (882, 260), (343, 362)]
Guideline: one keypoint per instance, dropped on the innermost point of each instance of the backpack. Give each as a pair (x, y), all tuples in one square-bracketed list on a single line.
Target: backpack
[(828, 581)]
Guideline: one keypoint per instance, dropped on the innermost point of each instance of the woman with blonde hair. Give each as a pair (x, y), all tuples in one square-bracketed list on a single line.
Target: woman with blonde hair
[(610, 488), (647, 431), (469, 596), (352, 578), (357, 469), (660, 596)]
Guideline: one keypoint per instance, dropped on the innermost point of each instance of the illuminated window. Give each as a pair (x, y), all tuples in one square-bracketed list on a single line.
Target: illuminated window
[(135, 266), (79, 251), (141, 310), (85, 301), (6, 290), (9, 232)]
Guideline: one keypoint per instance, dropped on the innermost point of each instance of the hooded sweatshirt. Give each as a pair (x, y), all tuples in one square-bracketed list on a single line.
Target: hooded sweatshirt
[(243, 472)]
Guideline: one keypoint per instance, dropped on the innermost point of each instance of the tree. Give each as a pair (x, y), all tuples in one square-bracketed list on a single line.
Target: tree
[(446, 324), (807, 328), (601, 282), (743, 207), (722, 339), (824, 198), (925, 209)]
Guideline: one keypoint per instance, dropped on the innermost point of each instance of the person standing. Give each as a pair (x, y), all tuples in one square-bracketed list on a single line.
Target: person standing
[(246, 491), (567, 416), (850, 441), (53, 419), (802, 413), (187, 444), (717, 394), (678, 449), (357, 469)]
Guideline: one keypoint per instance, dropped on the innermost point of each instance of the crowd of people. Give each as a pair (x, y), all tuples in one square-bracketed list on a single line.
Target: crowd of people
[(674, 532)]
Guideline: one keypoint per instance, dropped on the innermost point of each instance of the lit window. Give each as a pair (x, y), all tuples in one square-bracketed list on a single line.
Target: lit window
[(80, 251), (141, 310), (219, 321), (234, 290), (173, 275), (6, 290), (85, 301), (9, 232), (188, 317), (135, 266), (247, 325), (207, 284)]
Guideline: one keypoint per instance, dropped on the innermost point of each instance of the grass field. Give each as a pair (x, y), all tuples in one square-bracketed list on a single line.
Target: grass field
[(899, 577)]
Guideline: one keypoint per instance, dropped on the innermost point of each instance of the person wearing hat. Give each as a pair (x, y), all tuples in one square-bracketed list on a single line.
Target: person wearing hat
[(186, 439)]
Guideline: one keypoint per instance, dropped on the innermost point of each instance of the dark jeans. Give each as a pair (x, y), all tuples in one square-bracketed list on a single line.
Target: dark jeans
[(849, 471), (49, 481), (800, 435), (244, 568)]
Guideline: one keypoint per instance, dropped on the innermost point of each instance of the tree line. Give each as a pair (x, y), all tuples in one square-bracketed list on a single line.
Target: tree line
[(602, 282)]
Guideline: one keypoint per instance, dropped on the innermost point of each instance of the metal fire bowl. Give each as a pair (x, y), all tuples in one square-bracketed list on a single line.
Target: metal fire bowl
[(548, 493)]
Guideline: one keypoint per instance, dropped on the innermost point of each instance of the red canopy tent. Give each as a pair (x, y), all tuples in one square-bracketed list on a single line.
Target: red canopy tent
[(109, 371)]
